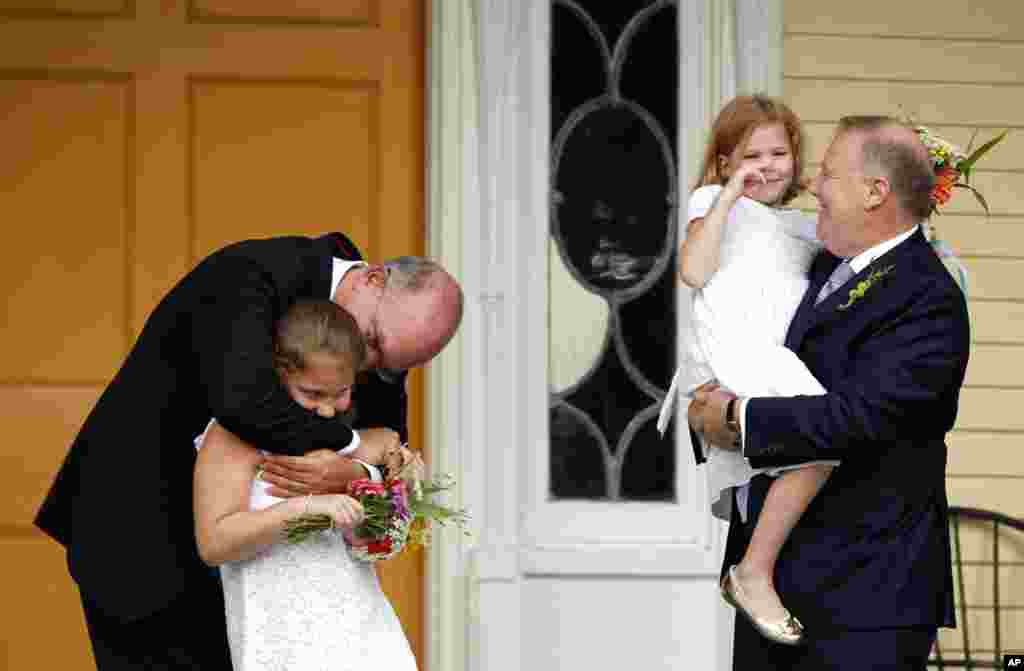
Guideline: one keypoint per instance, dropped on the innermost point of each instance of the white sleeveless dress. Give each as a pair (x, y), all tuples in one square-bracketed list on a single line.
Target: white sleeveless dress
[(309, 607), (738, 326)]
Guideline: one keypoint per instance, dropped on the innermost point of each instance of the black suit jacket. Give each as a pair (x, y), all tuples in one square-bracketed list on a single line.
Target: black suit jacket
[(872, 550), (124, 493)]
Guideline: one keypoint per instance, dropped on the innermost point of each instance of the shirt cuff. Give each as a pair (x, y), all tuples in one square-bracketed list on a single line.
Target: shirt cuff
[(375, 475), (743, 423), (352, 446)]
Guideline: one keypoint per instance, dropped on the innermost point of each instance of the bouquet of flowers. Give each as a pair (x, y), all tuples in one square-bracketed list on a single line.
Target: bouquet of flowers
[(397, 511), (952, 168)]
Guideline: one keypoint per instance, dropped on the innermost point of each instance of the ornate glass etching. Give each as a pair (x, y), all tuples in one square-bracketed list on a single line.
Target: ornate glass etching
[(612, 275)]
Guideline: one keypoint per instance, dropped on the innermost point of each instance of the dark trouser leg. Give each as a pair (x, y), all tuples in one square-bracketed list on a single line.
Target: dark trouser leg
[(753, 652), (190, 633), (883, 650)]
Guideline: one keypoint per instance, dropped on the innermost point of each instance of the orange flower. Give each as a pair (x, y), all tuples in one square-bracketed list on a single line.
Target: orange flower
[(945, 178)]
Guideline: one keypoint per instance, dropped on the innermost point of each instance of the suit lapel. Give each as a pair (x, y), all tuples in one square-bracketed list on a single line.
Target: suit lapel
[(809, 314), (822, 267)]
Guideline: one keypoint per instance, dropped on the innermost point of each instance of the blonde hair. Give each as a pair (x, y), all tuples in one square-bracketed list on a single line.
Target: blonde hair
[(317, 326), (733, 127)]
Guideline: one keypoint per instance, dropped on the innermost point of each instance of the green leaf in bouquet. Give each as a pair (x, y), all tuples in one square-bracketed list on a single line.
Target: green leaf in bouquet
[(970, 143), (968, 163), (302, 527), (977, 194), (434, 511)]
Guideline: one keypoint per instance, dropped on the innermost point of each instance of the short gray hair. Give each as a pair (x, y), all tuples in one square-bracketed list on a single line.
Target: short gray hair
[(412, 273), (908, 168)]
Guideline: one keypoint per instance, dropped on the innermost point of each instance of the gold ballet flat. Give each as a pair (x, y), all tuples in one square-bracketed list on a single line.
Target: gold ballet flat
[(787, 631)]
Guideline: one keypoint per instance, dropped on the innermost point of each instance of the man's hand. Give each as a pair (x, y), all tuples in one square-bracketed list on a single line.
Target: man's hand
[(377, 445), (317, 472), (706, 415)]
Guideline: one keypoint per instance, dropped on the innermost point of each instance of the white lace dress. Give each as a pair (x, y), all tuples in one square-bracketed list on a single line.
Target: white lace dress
[(309, 607), (740, 318)]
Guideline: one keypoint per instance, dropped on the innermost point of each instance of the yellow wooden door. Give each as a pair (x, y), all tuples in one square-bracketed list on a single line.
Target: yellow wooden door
[(135, 137)]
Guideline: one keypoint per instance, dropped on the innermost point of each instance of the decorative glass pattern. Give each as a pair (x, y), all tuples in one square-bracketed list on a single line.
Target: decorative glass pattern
[(614, 200)]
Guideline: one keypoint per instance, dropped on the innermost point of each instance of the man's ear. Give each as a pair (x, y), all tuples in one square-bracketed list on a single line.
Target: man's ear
[(375, 275), (876, 190)]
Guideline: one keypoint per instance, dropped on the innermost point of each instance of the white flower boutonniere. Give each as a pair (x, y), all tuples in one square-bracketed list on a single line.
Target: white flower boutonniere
[(862, 287)]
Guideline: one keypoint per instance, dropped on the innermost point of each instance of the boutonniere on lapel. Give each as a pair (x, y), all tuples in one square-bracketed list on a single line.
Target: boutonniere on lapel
[(862, 287)]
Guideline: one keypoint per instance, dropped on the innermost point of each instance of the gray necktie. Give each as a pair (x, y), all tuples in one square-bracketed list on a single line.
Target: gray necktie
[(838, 278)]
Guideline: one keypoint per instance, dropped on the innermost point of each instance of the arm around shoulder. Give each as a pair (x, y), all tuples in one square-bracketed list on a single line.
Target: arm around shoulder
[(226, 529), (232, 337)]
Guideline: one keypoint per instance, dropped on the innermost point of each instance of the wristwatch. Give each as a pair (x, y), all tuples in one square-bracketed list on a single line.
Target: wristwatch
[(732, 421)]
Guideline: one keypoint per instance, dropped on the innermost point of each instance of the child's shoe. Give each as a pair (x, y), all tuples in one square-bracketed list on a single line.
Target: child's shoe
[(787, 630)]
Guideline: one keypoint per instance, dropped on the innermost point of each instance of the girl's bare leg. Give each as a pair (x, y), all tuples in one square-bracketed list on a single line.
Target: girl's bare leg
[(787, 500)]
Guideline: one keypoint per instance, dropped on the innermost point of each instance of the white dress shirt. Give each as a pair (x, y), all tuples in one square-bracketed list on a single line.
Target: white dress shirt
[(338, 271)]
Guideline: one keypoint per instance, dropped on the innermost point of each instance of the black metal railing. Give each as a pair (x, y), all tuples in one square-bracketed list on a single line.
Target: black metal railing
[(1003, 528)]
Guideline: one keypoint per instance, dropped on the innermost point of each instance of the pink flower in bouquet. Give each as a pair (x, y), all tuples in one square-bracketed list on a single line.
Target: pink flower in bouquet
[(396, 511), (364, 487)]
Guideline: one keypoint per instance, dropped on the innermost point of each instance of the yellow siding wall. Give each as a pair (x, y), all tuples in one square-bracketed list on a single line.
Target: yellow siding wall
[(954, 66)]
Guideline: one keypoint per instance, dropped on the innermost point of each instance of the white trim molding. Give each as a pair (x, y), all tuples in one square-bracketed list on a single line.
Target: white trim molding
[(759, 32), (452, 378), (487, 399)]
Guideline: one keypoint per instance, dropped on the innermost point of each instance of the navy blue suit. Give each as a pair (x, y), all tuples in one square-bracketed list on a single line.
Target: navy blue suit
[(872, 550), (124, 492)]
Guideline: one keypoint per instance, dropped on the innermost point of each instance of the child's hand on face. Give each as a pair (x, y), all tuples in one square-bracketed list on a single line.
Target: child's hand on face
[(743, 180)]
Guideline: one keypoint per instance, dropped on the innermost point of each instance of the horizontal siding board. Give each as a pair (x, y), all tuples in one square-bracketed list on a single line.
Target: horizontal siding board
[(995, 279), (997, 322), (902, 59), (977, 19), (979, 579), (825, 100), (995, 366), (976, 549), (983, 454), (985, 408), (1004, 192), (1004, 495), (973, 235), (981, 631), (1008, 155)]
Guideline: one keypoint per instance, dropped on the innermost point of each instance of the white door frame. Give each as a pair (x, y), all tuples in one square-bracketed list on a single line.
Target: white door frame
[(488, 162)]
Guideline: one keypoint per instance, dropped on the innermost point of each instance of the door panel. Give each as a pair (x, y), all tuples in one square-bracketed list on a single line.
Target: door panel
[(137, 138)]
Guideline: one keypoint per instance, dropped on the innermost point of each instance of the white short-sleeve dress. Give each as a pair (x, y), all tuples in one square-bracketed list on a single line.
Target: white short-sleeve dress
[(740, 317), (309, 607)]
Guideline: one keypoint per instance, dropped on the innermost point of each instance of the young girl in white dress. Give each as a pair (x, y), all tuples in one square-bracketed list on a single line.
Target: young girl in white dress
[(308, 606), (747, 258)]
